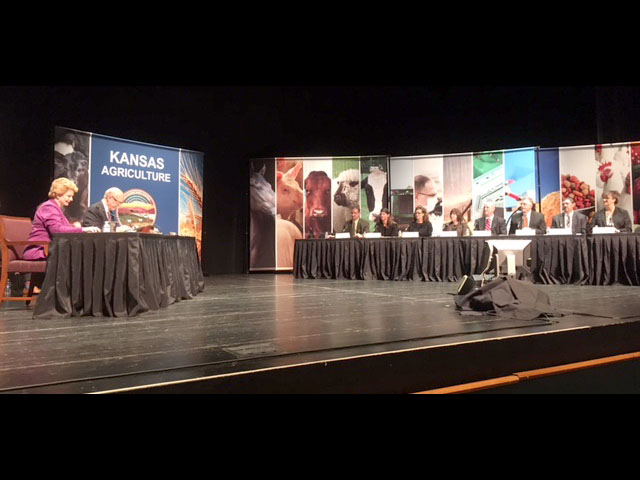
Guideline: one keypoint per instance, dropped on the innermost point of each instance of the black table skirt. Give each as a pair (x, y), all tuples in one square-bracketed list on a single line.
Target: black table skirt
[(117, 274), (555, 259)]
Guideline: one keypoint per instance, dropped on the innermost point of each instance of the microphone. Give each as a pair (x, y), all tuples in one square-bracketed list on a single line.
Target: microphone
[(512, 213)]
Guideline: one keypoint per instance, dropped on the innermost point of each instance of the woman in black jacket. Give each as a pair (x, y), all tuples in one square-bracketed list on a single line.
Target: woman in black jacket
[(421, 223), (386, 225)]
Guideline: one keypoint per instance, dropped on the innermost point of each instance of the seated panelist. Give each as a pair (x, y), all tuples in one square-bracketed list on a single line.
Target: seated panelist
[(385, 224), (106, 210), (49, 218), (457, 224), (490, 222), (356, 226), (570, 218), (612, 215), (421, 223), (528, 218)]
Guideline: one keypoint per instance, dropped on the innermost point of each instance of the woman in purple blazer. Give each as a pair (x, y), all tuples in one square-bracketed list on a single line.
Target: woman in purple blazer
[(49, 218)]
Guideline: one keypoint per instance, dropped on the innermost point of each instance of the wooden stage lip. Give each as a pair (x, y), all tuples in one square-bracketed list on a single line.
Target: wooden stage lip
[(272, 333)]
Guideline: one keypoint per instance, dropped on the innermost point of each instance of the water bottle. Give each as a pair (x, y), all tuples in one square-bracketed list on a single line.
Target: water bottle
[(7, 291), (106, 227)]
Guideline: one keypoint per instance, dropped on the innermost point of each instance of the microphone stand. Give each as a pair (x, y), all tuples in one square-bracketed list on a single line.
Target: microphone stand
[(508, 224)]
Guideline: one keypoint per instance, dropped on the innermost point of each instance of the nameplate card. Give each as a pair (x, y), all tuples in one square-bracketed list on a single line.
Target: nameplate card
[(372, 235), (409, 234), (450, 234), (605, 230), (559, 231), (481, 233), (343, 235), (526, 231)]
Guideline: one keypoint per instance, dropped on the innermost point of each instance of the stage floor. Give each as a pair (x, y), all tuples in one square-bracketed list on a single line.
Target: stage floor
[(273, 333)]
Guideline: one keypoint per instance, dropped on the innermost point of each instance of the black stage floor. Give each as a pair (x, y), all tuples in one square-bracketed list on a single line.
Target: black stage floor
[(272, 333)]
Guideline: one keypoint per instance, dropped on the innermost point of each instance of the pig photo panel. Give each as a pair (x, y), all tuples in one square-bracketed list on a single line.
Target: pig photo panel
[(457, 185), (345, 189), (289, 203), (317, 174)]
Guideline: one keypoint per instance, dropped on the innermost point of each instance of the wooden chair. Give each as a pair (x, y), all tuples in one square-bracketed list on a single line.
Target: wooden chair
[(14, 234)]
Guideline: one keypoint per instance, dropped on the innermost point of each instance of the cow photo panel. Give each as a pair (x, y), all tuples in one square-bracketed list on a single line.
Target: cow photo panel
[(457, 186), (262, 214), (289, 215), (317, 197), (613, 173), (578, 177), (345, 189), (373, 187), (401, 183)]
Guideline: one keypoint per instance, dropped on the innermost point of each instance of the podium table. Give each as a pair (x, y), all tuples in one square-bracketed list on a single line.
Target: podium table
[(117, 274)]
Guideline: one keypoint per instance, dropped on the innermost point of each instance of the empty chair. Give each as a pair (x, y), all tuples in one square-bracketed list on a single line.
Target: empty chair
[(14, 234)]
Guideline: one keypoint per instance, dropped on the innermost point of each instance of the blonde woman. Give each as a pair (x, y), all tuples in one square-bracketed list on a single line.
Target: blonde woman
[(49, 218)]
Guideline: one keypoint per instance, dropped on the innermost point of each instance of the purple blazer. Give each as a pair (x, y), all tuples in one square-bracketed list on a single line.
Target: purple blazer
[(48, 219)]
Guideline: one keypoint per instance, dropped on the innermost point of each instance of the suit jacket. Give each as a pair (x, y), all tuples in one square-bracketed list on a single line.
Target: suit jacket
[(620, 217), (363, 226), (47, 220), (95, 216), (578, 222), (498, 225), (536, 221)]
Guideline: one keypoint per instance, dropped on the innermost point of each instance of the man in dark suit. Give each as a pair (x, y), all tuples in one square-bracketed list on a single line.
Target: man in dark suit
[(570, 218), (489, 221), (106, 210), (356, 226), (528, 218)]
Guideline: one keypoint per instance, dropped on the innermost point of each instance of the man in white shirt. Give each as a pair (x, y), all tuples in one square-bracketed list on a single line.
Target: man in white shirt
[(570, 218), (489, 221)]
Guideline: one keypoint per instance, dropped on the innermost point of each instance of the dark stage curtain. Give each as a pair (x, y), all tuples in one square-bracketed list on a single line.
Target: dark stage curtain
[(554, 259), (117, 274)]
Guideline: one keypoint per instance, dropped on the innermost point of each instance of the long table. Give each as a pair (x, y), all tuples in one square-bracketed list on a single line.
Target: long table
[(602, 259), (117, 274)]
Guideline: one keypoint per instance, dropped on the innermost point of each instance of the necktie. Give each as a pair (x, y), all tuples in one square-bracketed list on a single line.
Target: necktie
[(526, 222), (355, 227), (488, 225), (568, 224)]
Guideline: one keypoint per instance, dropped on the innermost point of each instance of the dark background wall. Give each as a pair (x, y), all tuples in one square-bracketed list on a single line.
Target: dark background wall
[(234, 124)]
